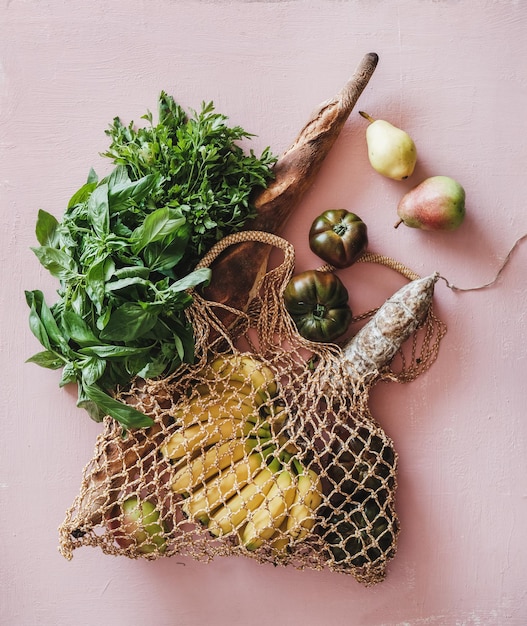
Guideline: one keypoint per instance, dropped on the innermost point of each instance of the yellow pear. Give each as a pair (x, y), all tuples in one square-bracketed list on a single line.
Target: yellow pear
[(391, 150)]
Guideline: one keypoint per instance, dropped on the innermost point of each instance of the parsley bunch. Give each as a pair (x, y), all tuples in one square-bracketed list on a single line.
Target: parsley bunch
[(203, 170)]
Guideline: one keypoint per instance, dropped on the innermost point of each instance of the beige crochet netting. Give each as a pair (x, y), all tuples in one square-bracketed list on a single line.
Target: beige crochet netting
[(262, 448)]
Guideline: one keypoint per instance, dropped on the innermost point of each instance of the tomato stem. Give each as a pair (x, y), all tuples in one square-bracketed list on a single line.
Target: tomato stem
[(319, 311), (341, 228)]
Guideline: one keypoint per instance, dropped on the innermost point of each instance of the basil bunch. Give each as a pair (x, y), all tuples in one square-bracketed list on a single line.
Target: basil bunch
[(124, 250)]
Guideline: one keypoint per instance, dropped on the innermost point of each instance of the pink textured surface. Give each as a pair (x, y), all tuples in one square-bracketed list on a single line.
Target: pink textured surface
[(453, 75)]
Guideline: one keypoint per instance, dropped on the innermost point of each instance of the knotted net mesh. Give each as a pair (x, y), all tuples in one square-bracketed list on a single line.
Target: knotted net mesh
[(264, 447)]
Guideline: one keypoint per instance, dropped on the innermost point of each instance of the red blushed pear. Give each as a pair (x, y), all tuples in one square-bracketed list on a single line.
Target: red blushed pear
[(438, 203)]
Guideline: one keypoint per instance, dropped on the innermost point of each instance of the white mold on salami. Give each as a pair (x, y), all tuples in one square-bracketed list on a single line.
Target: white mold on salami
[(378, 341)]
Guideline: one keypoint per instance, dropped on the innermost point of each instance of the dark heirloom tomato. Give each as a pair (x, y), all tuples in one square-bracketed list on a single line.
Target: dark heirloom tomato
[(338, 237), (318, 303)]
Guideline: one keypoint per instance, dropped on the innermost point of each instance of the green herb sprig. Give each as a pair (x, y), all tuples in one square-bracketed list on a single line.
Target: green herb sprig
[(203, 170), (125, 249)]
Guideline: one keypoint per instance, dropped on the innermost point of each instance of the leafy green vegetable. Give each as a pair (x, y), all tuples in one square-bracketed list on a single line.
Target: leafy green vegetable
[(125, 249), (203, 171)]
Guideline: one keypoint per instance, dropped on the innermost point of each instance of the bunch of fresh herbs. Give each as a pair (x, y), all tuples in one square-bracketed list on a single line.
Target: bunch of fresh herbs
[(125, 249), (204, 172)]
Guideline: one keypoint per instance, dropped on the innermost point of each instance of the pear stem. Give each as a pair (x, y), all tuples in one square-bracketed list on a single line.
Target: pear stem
[(398, 224), (367, 117)]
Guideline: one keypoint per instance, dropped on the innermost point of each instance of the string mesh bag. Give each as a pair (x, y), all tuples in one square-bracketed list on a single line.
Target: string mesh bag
[(264, 447)]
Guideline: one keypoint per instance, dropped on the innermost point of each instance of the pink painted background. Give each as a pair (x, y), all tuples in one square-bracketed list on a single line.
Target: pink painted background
[(454, 75)]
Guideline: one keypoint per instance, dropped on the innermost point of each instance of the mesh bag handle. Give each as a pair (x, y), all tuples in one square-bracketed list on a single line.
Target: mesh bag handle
[(278, 275), (380, 259), (244, 236), (267, 291), (371, 257)]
